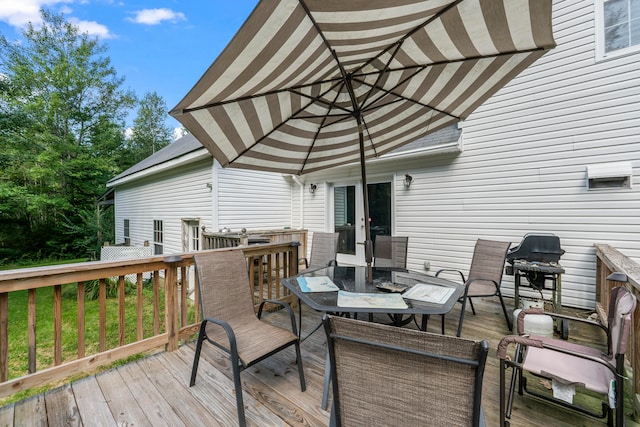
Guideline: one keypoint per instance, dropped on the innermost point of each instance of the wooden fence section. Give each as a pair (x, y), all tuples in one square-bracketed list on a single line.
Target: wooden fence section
[(168, 306), (609, 260)]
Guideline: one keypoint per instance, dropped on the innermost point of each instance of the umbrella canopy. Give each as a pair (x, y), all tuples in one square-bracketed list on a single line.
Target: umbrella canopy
[(311, 84)]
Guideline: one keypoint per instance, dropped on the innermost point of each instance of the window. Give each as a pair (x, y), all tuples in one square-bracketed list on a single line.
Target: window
[(127, 236), (158, 237), (194, 235), (617, 27)]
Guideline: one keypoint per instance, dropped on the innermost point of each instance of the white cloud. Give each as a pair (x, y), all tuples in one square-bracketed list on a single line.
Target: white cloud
[(92, 28), (128, 133), (20, 13), (179, 132), (156, 16)]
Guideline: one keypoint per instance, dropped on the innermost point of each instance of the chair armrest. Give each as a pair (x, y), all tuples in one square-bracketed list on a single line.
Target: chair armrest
[(515, 339), (286, 306), (233, 347), (548, 345), (306, 262), (445, 270)]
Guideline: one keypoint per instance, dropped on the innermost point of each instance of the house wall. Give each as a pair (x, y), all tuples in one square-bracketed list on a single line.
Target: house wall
[(524, 163), (252, 200), (523, 168), (170, 196)]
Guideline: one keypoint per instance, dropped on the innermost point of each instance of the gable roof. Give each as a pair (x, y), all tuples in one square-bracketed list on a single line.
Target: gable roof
[(177, 148)]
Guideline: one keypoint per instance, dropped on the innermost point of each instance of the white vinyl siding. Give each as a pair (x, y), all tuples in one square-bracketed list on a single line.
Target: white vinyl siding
[(168, 196), (524, 165), (252, 200)]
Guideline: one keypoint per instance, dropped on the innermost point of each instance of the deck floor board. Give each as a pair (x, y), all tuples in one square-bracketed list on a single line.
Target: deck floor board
[(155, 390)]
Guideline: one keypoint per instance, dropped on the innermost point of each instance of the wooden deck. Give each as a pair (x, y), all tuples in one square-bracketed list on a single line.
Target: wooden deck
[(154, 391)]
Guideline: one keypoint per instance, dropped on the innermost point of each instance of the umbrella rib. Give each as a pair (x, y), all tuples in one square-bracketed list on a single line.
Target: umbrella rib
[(263, 137), (293, 89), (315, 137), (400, 41), (421, 67)]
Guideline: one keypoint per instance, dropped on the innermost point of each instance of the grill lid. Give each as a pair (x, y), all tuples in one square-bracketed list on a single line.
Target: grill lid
[(543, 247)]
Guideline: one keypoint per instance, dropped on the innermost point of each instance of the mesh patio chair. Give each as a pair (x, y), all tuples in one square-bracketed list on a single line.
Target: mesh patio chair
[(391, 252), (324, 248), (485, 276), (571, 364), (386, 376), (230, 322)]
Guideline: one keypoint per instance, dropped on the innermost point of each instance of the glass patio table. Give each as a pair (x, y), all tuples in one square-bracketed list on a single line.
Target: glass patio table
[(353, 279)]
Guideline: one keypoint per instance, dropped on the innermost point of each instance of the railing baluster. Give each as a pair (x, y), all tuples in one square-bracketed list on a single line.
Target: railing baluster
[(4, 336), (102, 303), (31, 333), (184, 287), (139, 308), (57, 325), (81, 343), (156, 302), (121, 314)]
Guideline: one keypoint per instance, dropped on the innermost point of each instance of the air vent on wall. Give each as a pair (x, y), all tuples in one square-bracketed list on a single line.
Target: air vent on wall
[(609, 175)]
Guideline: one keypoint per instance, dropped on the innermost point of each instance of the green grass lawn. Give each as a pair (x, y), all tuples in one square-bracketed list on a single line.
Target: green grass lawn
[(18, 325)]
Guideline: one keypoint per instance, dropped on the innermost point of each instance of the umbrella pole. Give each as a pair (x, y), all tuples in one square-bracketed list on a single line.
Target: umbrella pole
[(368, 243)]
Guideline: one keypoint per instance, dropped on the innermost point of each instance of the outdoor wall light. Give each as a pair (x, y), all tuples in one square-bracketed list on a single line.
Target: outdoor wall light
[(617, 276), (312, 188), (408, 179)]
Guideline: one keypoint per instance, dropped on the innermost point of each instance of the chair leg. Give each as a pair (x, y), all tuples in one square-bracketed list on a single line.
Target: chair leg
[(504, 310), (303, 384), (464, 305), (327, 380), (238, 386), (473, 309), (196, 358)]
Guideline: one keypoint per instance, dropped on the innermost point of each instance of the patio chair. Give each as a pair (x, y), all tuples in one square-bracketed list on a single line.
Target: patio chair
[(485, 276), (324, 248), (391, 252), (230, 322), (386, 376), (571, 364)]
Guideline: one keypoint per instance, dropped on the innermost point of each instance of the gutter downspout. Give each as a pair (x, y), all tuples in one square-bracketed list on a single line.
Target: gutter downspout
[(301, 184)]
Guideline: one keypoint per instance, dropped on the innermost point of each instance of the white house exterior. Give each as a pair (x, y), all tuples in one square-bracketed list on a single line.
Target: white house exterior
[(168, 198), (519, 165)]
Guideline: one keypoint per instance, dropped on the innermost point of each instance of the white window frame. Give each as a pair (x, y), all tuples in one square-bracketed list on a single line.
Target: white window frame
[(158, 237), (126, 231), (601, 55)]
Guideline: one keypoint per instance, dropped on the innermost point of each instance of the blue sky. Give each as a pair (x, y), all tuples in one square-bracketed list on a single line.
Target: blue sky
[(162, 46)]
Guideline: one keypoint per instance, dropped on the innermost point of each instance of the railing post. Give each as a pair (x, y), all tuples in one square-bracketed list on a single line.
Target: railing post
[(293, 263), (171, 301)]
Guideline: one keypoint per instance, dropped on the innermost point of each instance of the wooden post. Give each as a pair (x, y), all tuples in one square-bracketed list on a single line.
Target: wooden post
[(171, 301)]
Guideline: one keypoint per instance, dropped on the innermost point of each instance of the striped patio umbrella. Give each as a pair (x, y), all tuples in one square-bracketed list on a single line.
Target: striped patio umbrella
[(311, 84)]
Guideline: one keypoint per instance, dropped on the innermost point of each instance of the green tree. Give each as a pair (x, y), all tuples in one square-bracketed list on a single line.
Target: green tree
[(150, 133), (64, 108)]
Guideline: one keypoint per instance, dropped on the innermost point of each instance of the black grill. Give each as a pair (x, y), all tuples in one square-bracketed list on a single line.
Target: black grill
[(536, 257)]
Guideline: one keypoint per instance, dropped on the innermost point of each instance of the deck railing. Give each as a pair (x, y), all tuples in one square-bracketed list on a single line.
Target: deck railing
[(230, 239), (158, 315), (609, 260)]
